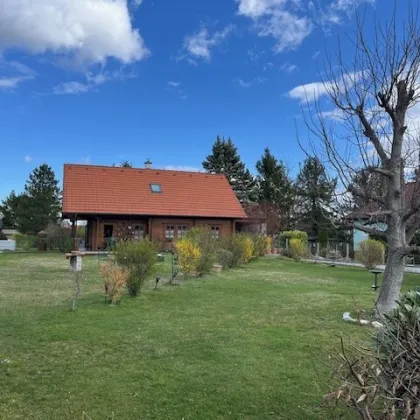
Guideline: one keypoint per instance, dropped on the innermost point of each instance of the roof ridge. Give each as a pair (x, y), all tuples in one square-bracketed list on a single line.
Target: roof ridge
[(142, 169)]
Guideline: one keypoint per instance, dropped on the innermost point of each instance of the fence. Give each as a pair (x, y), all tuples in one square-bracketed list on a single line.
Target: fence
[(8, 245)]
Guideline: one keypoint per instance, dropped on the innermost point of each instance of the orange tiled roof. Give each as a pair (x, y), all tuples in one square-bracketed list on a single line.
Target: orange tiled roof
[(126, 191)]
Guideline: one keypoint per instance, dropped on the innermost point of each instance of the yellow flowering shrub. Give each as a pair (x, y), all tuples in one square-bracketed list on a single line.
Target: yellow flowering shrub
[(248, 245), (268, 243), (298, 249), (188, 255)]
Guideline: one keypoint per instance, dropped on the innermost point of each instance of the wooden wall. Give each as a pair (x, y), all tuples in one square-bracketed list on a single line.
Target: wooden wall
[(155, 227)]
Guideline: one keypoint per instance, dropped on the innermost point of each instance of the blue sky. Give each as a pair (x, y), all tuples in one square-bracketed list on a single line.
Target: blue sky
[(100, 81)]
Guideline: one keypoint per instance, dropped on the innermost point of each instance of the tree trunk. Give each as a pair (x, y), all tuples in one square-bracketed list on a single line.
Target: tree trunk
[(392, 281)]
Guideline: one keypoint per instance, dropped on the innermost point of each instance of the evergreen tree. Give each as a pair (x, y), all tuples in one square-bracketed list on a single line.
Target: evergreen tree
[(314, 196), (8, 208), (275, 187), (225, 160), (38, 205)]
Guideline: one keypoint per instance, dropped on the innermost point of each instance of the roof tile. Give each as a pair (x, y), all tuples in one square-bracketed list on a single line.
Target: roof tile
[(108, 190)]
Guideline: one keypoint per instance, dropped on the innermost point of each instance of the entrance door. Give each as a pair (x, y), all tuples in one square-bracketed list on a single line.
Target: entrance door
[(108, 231)]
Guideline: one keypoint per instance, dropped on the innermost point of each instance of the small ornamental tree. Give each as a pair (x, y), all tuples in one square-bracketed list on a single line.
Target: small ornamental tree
[(188, 255), (139, 257), (371, 254)]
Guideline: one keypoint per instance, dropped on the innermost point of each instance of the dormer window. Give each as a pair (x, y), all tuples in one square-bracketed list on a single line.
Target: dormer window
[(156, 188)]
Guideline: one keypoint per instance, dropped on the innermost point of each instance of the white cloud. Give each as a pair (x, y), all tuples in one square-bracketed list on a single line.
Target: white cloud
[(174, 84), (182, 168), (27, 158), (14, 73), (12, 82), (136, 3), (87, 31), (200, 44), (92, 81), (85, 160), (268, 66), (71, 88), (316, 55), (289, 22), (288, 67), (313, 91), (310, 91), (253, 82)]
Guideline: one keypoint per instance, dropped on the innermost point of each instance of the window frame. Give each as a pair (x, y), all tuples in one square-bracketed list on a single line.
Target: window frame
[(142, 232), (170, 228), (155, 188), (215, 231)]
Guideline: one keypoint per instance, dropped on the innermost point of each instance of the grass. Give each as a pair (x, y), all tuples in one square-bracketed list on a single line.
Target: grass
[(251, 343)]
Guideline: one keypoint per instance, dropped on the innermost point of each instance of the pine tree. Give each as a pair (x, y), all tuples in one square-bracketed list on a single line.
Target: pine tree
[(9, 208), (314, 193), (38, 205), (275, 187), (225, 160)]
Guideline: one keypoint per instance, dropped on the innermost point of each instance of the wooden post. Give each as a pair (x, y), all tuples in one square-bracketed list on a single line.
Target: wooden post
[(317, 249), (73, 232), (98, 233), (347, 251), (149, 228)]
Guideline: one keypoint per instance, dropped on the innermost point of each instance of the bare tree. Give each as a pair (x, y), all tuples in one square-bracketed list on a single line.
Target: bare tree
[(370, 129)]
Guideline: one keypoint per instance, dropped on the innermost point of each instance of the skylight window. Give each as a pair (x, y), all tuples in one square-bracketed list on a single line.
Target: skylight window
[(156, 188)]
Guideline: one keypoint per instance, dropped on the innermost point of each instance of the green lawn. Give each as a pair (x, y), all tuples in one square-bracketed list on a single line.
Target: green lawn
[(252, 343)]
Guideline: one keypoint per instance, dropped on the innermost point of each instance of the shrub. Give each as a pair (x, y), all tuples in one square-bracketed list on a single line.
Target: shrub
[(298, 249), (207, 245), (241, 247), (292, 234), (268, 244), (259, 245), (287, 252), (225, 258), (384, 383), (3, 237), (26, 242), (139, 257), (115, 280), (188, 255), (248, 245), (372, 253)]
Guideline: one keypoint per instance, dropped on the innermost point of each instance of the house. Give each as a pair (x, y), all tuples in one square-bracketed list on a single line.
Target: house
[(119, 203), (373, 214)]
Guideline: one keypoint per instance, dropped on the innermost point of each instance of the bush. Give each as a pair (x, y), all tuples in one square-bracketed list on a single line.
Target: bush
[(139, 257), (188, 255), (207, 245), (259, 245), (268, 242), (3, 237), (115, 280), (384, 383), (225, 258), (248, 245), (371, 254), (241, 247), (292, 234), (298, 249), (26, 242), (287, 252)]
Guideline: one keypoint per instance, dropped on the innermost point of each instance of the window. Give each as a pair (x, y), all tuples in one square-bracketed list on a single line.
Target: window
[(138, 232), (182, 231), (156, 188), (170, 232), (215, 232)]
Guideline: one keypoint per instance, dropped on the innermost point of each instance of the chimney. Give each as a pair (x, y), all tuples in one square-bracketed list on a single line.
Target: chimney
[(148, 164)]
